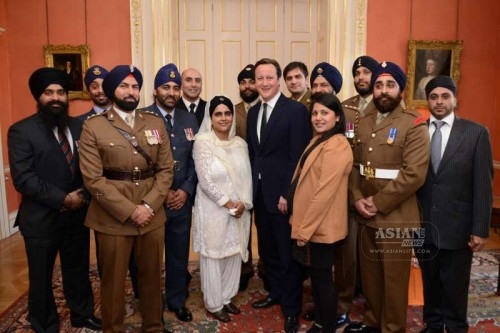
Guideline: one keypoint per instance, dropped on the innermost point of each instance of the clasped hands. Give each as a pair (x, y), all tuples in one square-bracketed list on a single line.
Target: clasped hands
[(238, 206), (142, 215), (73, 200), (366, 207), (176, 199)]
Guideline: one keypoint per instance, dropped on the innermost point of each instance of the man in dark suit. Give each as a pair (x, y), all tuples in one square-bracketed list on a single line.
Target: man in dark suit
[(181, 127), (43, 155), (278, 130), (456, 200), (191, 89), (93, 81)]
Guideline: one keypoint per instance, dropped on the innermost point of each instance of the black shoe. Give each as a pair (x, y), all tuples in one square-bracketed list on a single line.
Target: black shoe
[(182, 313), (221, 315), (309, 314), (231, 308), (341, 320), (360, 327), (91, 323), (315, 328), (166, 331), (264, 303), (291, 324)]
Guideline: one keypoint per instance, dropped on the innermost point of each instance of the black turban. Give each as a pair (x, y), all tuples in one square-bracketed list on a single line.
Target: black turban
[(247, 73), (218, 100), (393, 70), (116, 76), (330, 73), (364, 61), (44, 77), (441, 81)]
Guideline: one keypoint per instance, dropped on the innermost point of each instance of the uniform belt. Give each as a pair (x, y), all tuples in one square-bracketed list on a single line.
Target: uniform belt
[(133, 176), (370, 172)]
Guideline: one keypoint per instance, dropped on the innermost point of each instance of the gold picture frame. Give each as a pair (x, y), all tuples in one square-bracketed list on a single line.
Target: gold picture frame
[(75, 59), (427, 59)]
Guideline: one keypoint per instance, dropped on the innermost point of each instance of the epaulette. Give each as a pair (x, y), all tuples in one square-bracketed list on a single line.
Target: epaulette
[(97, 114), (148, 112), (351, 107)]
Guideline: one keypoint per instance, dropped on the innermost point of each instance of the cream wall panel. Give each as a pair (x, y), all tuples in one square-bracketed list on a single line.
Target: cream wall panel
[(301, 12), (195, 15)]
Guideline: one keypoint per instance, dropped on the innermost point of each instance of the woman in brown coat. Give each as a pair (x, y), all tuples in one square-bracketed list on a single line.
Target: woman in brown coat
[(319, 196)]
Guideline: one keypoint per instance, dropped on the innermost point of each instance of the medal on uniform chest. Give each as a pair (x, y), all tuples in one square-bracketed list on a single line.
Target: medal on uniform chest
[(189, 134), (152, 137), (349, 130), (392, 135)]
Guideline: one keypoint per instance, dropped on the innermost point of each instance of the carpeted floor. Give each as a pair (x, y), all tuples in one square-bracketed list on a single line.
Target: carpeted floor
[(484, 307)]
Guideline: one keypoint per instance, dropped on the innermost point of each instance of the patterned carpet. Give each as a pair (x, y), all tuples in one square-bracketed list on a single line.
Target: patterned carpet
[(484, 307)]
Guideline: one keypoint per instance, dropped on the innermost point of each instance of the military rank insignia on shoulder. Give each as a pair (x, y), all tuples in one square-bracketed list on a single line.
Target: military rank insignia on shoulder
[(351, 107), (149, 112), (97, 114)]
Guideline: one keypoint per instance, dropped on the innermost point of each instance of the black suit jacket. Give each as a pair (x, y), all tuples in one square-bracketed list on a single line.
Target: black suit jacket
[(42, 175), (457, 200), (199, 112), (287, 133)]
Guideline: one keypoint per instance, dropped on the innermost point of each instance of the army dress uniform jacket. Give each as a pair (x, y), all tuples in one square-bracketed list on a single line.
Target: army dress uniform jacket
[(407, 151), (351, 110), (241, 120), (103, 147), (306, 99)]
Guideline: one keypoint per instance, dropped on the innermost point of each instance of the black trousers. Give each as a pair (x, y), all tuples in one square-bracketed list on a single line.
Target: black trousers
[(446, 277), (72, 244), (325, 298), (275, 249)]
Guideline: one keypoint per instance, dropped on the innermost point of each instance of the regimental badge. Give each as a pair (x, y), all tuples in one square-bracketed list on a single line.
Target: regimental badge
[(172, 74), (349, 130), (152, 137), (392, 135), (189, 134), (384, 64), (359, 62), (319, 71), (132, 68), (248, 69), (369, 172), (96, 71)]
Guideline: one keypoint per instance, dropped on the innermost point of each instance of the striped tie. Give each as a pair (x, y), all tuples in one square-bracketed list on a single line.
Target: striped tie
[(64, 143)]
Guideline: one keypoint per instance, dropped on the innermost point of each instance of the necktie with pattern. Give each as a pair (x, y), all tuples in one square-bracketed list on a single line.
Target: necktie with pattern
[(64, 143), (436, 142)]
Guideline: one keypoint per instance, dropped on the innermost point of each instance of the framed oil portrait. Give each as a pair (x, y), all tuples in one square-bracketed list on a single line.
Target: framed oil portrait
[(426, 60), (74, 60)]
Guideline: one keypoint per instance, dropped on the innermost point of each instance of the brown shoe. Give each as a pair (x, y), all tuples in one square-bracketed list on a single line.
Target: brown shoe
[(221, 315), (231, 308)]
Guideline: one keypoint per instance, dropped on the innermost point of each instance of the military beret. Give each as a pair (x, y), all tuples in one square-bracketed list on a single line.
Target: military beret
[(364, 61), (116, 76), (247, 73), (94, 72), (441, 81), (44, 77), (330, 73), (393, 70), (168, 73), (218, 100)]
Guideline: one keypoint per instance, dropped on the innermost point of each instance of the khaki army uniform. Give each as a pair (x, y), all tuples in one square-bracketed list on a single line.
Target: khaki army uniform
[(106, 158), (241, 120), (306, 99), (346, 253), (393, 157)]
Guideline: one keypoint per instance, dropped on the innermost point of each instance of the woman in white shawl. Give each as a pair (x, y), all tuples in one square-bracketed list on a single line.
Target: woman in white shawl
[(221, 224)]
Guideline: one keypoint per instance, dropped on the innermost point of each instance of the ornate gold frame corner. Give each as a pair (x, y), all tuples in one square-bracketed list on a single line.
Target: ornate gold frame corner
[(80, 54), (448, 54)]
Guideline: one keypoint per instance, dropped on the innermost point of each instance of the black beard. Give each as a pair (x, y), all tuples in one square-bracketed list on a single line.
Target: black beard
[(126, 106), (386, 106), (249, 98), (54, 117), (363, 91)]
